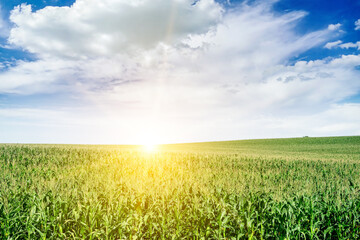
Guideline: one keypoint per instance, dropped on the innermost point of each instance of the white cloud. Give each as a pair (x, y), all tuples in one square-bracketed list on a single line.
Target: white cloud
[(221, 76), (331, 45), (357, 25), (90, 28), (334, 27), (350, 45), (339, 44), (52, 75), (246, 43)]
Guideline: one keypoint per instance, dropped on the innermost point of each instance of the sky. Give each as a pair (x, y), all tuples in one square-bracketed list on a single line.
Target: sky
[(168, 71)]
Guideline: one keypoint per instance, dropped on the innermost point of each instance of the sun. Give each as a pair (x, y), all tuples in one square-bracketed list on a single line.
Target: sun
[(149, 141), (150, 147)]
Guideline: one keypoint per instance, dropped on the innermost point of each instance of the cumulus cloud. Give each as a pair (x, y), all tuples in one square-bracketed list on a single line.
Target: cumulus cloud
[(182, 69), (331, 45), (350, 45), (248, 41), (357, 25), (334, 27), (339, 44), (91, 28)]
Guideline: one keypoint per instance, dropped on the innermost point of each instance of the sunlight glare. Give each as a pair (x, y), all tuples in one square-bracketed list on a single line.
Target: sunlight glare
[(150, 141), (150, 147)]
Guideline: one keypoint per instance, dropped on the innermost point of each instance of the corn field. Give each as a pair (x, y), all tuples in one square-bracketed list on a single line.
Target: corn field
[(302, 188)]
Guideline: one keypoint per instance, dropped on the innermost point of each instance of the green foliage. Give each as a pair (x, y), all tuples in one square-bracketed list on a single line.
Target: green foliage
[(305, 188)]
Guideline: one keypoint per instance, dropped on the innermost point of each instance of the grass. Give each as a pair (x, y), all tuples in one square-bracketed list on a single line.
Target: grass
[(303, 188)]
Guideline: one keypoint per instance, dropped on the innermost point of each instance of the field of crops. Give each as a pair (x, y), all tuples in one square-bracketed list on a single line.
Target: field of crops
[(303, 188)]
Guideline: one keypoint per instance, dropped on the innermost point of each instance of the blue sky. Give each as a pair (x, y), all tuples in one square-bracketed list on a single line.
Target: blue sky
[(122, 72)]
